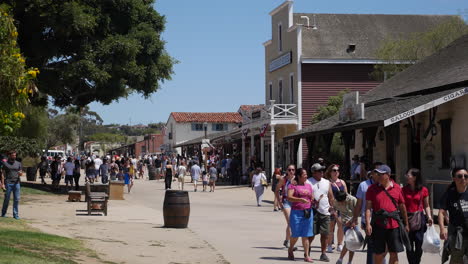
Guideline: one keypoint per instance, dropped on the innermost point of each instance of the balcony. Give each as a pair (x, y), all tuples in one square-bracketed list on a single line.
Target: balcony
[(274, 114)]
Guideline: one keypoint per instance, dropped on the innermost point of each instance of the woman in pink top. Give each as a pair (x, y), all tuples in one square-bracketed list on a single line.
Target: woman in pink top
[(301, 218)]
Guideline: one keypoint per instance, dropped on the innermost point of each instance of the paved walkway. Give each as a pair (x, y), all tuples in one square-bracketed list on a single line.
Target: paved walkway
[(225, 226)]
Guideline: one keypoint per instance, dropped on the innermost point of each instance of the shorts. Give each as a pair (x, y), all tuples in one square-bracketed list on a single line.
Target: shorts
[(68, 179), (383, 238), (205, 182), (181, 178), (321, 223), (332, 217), (213, 178), (158, 171), (286, 204)]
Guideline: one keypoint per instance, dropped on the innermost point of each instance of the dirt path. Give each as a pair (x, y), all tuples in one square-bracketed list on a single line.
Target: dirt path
[(131, 233)]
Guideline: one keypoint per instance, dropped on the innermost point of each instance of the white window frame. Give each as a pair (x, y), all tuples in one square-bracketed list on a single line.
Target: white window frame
[(291, 88), (280, 37), (280, 91)]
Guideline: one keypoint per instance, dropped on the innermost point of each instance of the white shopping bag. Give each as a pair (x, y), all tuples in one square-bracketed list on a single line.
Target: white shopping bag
[(431, 241), (353, 240)]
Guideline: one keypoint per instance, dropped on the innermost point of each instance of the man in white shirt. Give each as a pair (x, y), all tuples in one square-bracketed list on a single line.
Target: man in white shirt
[(97, 165), (323, 196)]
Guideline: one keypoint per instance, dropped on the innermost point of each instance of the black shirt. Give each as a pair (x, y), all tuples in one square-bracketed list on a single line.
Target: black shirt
[(449, 203), (157, 163)]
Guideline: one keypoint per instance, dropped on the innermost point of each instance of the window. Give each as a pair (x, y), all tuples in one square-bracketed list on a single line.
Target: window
[(446, 147), (280, 38), (219, 127), (291, 88), (271, 91), (280, 85), (197, 127)]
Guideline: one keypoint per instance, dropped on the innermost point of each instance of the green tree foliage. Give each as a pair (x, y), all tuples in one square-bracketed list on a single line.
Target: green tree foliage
[(93, 50), (35, 124), (332, 107), (23, 146), (62, 129), (108, 138), (16, 82), (418, 46)]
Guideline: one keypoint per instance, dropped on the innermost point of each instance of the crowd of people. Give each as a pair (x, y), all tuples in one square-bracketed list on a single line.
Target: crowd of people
[(394, 218)]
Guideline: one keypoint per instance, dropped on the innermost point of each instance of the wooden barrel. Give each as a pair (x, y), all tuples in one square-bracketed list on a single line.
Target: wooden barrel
[(176, 209), (152, 173)]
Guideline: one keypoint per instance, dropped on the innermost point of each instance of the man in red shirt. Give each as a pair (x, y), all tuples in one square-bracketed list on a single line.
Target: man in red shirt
[(386, 229)]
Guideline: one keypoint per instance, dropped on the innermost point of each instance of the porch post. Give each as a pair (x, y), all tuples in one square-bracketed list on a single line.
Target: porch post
[(262, 151), (272, 149), (243, 154), (252, 145)]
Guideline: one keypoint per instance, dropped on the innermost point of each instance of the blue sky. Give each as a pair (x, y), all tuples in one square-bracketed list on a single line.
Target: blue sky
[(218, 44)]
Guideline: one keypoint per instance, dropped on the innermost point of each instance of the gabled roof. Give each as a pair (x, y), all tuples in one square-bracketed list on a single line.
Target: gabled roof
[(367, 31), (246, 108), (449, 66), (188, 117)]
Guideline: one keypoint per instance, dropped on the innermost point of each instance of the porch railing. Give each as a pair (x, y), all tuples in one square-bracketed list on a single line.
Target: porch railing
[(283, 111)]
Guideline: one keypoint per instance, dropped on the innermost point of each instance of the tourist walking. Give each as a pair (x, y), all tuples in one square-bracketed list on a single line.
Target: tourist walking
[(345, 204), (285, 205), (56, 169), (43, 169), (455, 202), (195, 172), (417, 202), (181, 171), (258, 180), (274, 182), (127, 177), (69, 168), (386, 230), (77, 174), (301, 219), (360, 208), (157, 165), (332, 174), (168, 177), (10, 180), (104, 171), (97, 164), (204, 180), (90, 172), (324, 199), (213, 172)]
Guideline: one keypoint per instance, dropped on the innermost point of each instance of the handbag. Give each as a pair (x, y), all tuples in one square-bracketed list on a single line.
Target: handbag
[(307, 213), (263, 181), (415, 219)]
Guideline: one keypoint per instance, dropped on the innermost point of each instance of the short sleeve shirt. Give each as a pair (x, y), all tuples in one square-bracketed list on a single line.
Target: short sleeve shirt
[(12, 171), (361, 194), (413, 198), (69, 168), (449, 203), (301, 191), (380, 200)]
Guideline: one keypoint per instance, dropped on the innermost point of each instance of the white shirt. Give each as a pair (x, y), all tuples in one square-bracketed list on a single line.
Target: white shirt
[(97, 163), (256, 179), (69, 167), (321, 188)]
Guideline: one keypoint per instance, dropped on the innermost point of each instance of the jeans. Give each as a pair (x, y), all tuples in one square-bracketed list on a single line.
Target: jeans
[(15, 188), (370, 252)]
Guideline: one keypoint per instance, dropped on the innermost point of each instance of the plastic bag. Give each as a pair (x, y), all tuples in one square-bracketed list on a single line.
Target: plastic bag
[(353, 240), (431, 241)]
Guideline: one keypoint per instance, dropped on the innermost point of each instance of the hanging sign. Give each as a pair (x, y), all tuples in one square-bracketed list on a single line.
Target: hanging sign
[(424, 107)]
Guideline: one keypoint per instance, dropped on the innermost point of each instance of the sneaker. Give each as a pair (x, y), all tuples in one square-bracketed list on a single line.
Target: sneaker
[(339, 248), (324, 258), (17, 217), (339, 261), (329, 249)]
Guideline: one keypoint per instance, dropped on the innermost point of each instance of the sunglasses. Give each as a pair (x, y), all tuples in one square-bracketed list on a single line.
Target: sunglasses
[(291, 169), (335, 170), (460, 176)]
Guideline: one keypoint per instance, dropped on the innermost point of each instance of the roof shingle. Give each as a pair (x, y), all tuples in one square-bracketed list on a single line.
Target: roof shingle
[(190, 117)]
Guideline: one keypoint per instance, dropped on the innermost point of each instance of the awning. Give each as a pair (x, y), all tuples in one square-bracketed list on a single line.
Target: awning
[(211, 137), (384, 112)]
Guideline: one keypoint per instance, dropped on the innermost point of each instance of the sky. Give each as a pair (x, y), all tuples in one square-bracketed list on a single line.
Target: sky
[(218, 46)]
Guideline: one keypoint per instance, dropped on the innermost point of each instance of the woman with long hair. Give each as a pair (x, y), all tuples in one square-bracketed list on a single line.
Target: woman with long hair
[(332, 174), (301, 218), (417, 202), (282, 187), (274, 181)]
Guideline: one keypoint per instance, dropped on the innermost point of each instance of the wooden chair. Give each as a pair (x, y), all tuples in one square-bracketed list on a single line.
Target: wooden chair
[(93, 198)]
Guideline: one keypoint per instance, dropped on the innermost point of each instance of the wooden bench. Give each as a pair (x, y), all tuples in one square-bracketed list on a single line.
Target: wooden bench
[(95, 199), (74, 196)]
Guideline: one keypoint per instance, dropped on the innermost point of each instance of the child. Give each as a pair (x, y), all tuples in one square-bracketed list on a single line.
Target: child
[(205, 180), (345, 204)]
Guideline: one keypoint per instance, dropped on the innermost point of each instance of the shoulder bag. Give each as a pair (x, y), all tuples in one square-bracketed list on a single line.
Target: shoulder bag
[(415, 219)]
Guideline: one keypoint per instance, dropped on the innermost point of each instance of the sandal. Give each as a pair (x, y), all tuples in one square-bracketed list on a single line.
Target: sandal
[(290, 255), (308, 259)]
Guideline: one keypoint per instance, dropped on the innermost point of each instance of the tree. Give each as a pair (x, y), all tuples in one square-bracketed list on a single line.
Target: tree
[(93, 50), (62, 129), (16, 82), (416, 47), (332, 107), (23, 146), (108, 138)]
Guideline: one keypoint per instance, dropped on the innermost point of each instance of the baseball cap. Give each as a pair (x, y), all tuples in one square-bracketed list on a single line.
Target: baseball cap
[(383, 169), (317, 167)]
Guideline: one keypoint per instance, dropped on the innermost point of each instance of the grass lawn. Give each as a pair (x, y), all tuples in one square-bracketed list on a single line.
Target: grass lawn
[(22, 244)]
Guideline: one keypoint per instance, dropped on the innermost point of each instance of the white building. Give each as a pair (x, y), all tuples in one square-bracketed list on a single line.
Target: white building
[(184, 126)]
